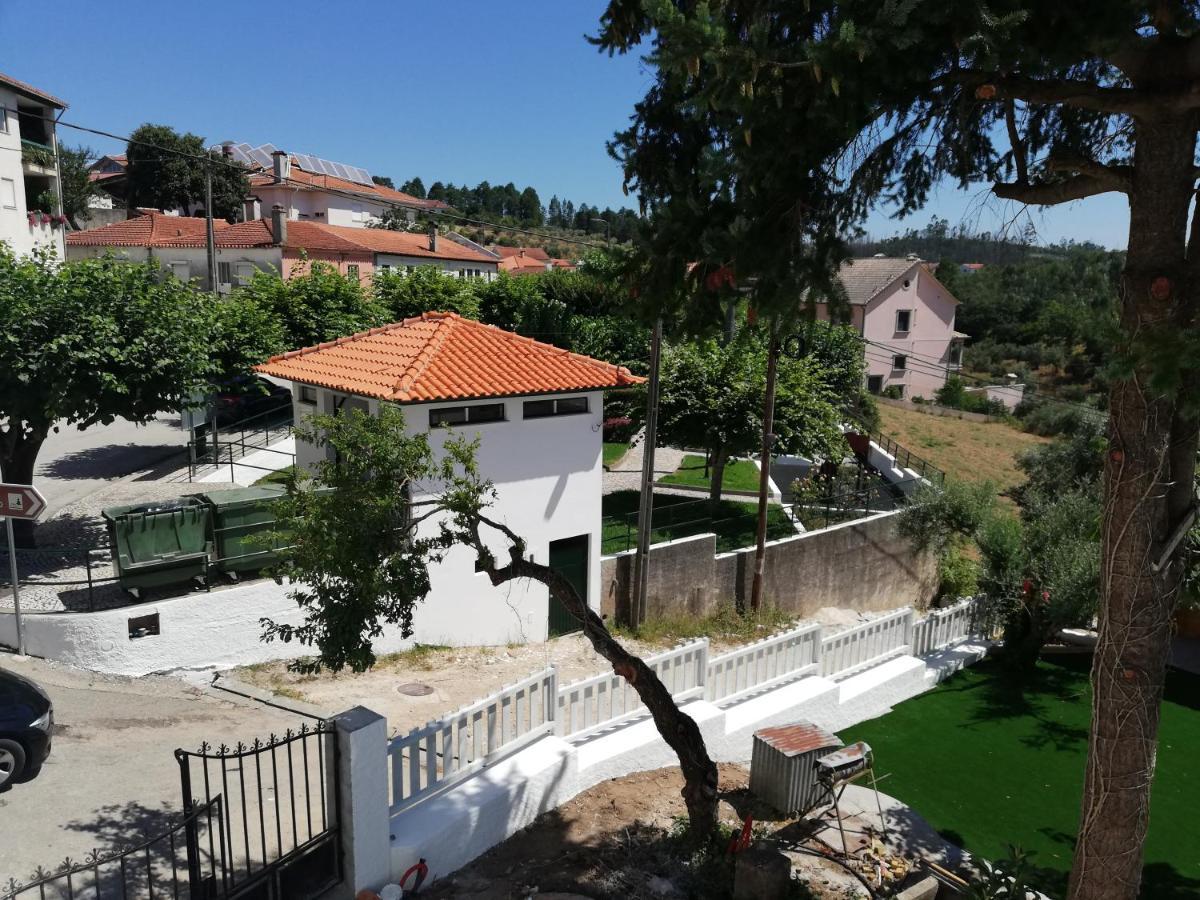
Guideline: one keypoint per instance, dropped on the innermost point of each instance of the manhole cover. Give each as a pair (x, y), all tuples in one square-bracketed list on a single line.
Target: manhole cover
[(415, 689)]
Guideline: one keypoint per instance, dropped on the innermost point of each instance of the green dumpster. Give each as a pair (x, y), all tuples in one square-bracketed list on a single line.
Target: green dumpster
[(242, 519), (159, 544)]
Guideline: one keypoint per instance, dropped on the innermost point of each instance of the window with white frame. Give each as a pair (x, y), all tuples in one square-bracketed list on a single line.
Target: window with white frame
[(3, 120), (352, 270), (8, 193)]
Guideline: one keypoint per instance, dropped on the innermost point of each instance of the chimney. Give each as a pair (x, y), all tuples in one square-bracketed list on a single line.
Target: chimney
[(282, 164), (433, 234), (251, 209), (522, 253), (279, 224), (1010, 378)]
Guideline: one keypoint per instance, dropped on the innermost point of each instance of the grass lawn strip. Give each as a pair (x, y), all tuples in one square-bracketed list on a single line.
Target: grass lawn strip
[(613, 451), (989, 765), (677, 517), (740, 474)]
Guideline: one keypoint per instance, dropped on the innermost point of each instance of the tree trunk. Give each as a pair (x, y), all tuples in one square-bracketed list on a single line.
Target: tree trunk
[(716, 478), (1148, 491), (18, 457), (677, 728)]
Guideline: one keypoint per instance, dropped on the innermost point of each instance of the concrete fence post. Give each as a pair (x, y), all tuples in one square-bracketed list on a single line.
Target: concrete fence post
[(818, 637), (363, 808), (909, 621), (702, 664)]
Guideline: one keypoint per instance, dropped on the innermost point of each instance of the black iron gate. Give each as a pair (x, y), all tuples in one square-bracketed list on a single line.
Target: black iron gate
[(185, 861), (279, 803)]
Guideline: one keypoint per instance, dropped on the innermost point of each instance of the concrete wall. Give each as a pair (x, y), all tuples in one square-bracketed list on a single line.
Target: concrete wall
[(320, 206), (297, 262), (933, 409), (452, 828), (863, 565), (191, 263), (458, 268)]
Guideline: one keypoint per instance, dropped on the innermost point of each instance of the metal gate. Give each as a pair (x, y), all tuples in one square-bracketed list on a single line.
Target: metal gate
[(185, 861), (569, 557), (279, 803)]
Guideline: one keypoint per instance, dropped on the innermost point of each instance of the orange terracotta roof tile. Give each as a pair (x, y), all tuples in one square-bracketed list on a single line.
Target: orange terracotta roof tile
[(30, 91), (152, 229), (407, 243), (442, 356), (300, 178), (528, 252)]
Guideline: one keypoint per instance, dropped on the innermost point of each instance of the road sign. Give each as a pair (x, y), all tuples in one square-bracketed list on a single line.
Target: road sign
[(21, 501), (18, 501)]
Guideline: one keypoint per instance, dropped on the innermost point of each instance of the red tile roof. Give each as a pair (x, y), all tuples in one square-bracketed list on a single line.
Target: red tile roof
[(30, 91), (150, 230), (407, 243), (528, 252), (442, 356)]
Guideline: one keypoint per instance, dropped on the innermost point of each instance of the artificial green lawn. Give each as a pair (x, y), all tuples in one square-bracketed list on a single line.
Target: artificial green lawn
[(675, 517), (740, 474), (989, 766), (278, 477), (613, 451)]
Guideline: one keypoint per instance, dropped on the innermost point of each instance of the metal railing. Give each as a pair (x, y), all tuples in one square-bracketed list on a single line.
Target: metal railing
[(186, 860), (215, 445), (904, 457), (823, 511), (672, 521), (449, 749)]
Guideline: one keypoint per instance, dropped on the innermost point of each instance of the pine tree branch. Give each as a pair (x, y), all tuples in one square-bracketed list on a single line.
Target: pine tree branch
[(1067, 91), (1049, 193)]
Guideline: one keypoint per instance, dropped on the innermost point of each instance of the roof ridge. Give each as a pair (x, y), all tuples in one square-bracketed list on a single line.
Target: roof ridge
[(428, 352), (542, 345)]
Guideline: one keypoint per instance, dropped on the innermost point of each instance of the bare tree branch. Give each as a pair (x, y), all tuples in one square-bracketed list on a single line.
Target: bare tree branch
[(1014, 139)]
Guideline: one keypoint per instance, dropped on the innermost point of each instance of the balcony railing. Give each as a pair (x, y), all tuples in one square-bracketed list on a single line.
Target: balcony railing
[(37, 154)]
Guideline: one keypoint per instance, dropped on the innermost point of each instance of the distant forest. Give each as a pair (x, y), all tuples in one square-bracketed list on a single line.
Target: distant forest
[(505, 204), (939, 241)]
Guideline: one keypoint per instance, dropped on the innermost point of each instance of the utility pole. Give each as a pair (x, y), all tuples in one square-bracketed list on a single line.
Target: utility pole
[(641, 560), (209, 235), (764, 475)]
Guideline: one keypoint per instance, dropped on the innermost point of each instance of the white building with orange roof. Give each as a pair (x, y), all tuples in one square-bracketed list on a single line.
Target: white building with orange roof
[(537, 411)]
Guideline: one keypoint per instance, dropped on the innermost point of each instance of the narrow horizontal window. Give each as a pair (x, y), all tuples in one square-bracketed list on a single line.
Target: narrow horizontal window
[(308, 395), (447, 415), (463, 415), (563, 406)]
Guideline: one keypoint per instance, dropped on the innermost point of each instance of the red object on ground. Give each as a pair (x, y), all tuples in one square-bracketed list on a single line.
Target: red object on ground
[(742, 841), (421, 869)]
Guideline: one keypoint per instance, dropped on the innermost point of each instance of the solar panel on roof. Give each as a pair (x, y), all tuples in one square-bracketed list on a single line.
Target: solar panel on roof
[(362, 176), (340, 171), (261, 157)]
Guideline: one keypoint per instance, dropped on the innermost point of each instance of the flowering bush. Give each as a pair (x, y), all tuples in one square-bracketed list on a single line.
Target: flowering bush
[(618, 430)]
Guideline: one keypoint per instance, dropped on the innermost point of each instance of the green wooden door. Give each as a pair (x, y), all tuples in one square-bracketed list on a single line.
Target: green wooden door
[(570, 558)]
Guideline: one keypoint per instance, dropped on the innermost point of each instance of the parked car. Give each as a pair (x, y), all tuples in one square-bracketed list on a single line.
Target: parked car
[(244, 398), (26, 717)]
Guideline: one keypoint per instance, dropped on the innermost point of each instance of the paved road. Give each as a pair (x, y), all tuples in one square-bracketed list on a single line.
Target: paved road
[(75, 463), (111, 772)]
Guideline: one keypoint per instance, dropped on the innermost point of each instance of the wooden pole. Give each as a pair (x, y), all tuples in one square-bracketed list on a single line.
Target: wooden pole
[(641, 560), (764, 475)]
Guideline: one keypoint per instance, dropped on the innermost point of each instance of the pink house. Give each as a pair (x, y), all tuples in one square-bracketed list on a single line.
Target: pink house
[(906, 318)]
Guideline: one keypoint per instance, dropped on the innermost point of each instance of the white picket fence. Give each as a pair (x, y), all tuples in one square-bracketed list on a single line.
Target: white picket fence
[(444, 752), (449, 749), (606, 699)]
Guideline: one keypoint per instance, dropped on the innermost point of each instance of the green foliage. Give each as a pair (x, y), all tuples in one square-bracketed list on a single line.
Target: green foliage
[(354, 558), (77, 187), (313, 305), (955, 395), (712, 397), (88, 341), (958, 574), (425, 289), (1047, 418), (164, 173)]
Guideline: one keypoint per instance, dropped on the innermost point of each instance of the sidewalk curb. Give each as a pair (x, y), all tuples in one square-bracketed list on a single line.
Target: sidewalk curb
[(238, 688)]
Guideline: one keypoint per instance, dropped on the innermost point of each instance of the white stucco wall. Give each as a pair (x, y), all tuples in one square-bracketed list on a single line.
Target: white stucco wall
[(319, 206), (15, 229), (488, 270), (548, 477), (267, 259), (927, 341)]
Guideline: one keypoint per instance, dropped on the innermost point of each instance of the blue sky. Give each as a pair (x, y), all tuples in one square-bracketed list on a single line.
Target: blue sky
[(451, 90)]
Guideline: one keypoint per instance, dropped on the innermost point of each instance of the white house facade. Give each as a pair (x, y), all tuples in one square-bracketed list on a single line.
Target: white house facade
[(537, 412), (30, 193)]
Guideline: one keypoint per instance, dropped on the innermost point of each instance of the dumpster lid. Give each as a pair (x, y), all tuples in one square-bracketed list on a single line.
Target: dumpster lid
[(242, 495), (156, 506)]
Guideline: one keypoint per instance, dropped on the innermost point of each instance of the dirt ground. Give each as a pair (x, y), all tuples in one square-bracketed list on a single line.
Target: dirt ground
[(627, 838), (457, 675)]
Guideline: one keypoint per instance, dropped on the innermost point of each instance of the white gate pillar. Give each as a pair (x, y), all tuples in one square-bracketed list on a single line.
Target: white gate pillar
[(363, 808)]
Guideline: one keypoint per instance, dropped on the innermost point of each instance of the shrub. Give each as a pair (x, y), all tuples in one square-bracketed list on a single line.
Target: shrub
[(958, 574), (618, 430), (1049, 419), (893, 392)]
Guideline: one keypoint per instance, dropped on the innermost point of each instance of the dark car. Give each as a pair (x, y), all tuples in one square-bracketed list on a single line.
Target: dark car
[(250, 397), (26, 717)]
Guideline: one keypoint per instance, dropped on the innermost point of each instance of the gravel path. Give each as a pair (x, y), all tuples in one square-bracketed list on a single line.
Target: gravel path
[(626, 475)]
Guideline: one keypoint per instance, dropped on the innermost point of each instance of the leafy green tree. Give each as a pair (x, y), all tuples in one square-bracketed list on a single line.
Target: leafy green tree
[(383, 181), (425, 289), (416, 188), (77, 188), (166, 170), (518, 303), (90, 341), (711, 397), (360, 557), (529, 208), (314, 304), (1049, 104)]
